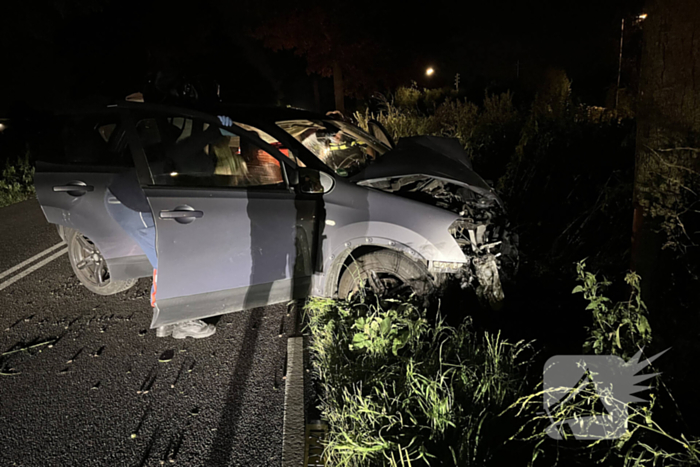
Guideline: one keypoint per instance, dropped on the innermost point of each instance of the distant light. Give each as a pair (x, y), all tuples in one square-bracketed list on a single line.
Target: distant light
[(2, 126), (642, 17), (173, 174), (429, 71)]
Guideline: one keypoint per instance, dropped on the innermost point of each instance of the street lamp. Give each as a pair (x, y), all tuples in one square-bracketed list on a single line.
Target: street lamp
[(429, 71)]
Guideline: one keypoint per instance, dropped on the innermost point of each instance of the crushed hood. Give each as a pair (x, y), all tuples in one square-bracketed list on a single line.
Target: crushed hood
[(426, 155)]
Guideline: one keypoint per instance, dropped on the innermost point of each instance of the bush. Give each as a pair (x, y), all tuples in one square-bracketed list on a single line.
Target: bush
[(17, 181), (565, 171), (488, 135)]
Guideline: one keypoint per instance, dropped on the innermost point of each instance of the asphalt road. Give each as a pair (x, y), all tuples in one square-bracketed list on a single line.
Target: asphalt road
[(99, 388)]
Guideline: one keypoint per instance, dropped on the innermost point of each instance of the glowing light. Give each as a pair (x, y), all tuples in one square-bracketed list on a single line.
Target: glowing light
[(173, 174), (2, 126), (642, 17), (429, 72)]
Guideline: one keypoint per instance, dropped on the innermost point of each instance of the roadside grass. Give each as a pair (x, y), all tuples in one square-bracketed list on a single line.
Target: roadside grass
[(399, 387), (17, 181)]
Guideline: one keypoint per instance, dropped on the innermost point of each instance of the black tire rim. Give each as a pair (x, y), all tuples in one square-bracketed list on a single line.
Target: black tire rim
[(89, 263)]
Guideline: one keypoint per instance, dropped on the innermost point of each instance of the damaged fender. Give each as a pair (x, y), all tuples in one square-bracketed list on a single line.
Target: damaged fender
[(356, 216), (482, 229)]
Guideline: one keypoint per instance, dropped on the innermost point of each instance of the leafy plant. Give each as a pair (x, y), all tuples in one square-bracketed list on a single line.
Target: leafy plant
[(621, 328), (382, 331), (398, 388), (17, 181)]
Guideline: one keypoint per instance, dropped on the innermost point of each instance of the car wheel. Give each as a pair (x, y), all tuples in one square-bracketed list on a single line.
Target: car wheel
[(386, 272), (90, 266)]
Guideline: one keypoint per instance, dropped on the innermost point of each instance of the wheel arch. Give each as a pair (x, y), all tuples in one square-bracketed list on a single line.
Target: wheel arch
[(346, 256)]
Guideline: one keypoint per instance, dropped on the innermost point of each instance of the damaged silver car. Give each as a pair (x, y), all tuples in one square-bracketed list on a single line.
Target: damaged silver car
[(256, 206), (429, 170)]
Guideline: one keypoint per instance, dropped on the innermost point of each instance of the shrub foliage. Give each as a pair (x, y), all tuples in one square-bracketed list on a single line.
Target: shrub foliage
[(398, 388), (17, 181)]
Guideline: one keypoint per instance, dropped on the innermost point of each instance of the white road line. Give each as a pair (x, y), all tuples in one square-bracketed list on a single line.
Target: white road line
[(30, 270), (30, 260)]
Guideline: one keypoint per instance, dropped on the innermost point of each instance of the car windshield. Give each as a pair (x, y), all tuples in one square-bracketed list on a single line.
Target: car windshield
[(344, 148)]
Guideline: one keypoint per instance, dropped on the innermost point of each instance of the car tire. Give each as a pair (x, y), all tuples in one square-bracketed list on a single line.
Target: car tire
[(87, 262), (387, 266)]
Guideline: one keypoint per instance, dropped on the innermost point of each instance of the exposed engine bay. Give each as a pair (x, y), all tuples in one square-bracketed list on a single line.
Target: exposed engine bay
[(482, 231)]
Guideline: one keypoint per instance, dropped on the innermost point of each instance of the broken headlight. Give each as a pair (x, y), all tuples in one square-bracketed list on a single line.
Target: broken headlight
[(447, 267)]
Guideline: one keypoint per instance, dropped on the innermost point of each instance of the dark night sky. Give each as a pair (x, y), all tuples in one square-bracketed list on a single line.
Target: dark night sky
[(59, 51)]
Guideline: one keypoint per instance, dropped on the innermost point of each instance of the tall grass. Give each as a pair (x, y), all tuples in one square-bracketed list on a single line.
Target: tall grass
[(565, 171), (398, 388)]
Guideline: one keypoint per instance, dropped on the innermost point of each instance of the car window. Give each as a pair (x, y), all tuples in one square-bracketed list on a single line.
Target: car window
[(190, 152), (344, 148), (271, 140), (86, 141)]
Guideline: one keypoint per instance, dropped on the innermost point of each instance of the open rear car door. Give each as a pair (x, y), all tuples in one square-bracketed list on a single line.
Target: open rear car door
[(77, 157)]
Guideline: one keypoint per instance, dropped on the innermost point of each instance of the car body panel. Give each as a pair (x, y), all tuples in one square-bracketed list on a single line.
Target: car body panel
[(244, 238), (87, 213), (447, 161), (358, 216)]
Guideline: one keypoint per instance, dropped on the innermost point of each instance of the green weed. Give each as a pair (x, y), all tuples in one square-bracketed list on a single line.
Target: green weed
[(17, 181), (620, 329), (398, 388)]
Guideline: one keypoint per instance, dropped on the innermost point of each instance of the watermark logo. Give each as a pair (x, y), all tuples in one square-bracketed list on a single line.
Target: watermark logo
[(606, 380)]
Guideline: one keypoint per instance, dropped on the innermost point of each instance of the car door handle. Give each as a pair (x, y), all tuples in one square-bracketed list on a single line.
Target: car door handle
[(182, 214), (76, 188)]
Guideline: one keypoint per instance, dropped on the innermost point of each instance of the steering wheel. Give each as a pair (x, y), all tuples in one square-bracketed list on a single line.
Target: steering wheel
[(348, 162)]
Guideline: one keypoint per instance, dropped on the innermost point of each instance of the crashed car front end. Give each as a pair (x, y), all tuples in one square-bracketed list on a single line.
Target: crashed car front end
[(482, 232), (432, 170)]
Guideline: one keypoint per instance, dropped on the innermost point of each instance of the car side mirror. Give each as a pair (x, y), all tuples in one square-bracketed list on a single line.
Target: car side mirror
[(314, 181)]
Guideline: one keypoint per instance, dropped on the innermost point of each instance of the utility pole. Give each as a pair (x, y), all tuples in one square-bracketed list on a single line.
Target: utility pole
[(457, 82), (619, 66)]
